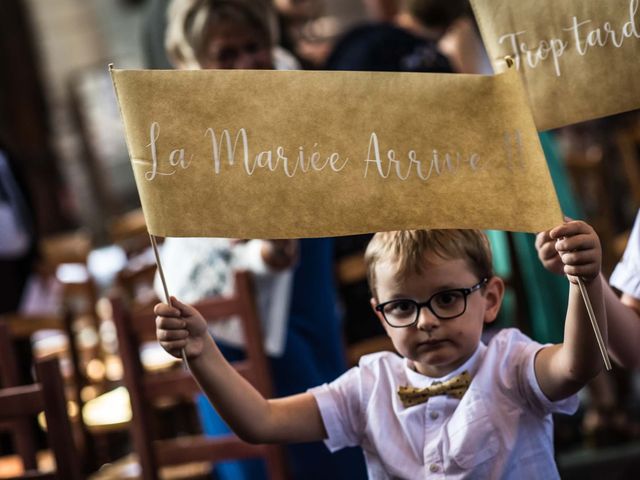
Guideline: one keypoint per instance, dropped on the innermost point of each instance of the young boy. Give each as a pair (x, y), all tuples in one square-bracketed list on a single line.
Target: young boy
[(486, 410)]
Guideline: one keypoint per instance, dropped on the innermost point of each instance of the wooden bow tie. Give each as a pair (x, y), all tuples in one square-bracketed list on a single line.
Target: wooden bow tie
[(454, 387)]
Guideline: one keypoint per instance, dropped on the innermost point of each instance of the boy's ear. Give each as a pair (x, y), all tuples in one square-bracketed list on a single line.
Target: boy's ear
[(493, 294), (373, 302)]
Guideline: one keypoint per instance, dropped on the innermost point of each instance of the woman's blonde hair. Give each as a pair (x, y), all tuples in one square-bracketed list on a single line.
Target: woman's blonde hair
[(189, 22), (407, 249)]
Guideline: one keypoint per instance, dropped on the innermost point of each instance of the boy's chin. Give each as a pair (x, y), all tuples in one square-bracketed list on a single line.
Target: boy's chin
[(437, 364)]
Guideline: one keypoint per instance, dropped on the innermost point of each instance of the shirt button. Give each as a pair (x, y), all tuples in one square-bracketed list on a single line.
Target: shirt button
[(434, 468), (434, 415)]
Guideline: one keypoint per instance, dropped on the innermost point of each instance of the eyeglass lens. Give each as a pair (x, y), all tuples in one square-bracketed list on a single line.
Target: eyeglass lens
[(447, 304)]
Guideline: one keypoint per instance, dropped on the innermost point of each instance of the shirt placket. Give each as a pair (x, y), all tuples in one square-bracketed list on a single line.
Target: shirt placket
[(434, 419)]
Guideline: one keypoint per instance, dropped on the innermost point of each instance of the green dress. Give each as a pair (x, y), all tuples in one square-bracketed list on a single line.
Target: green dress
[(546, 294)]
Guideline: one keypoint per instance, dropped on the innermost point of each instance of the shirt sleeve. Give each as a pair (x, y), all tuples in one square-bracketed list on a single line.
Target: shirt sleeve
[(626, 275), (340, 406), (518, 354)]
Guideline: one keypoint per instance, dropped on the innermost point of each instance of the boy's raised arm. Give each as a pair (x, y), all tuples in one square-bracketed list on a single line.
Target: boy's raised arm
[(623, 314), (252, 417), (563, 369)]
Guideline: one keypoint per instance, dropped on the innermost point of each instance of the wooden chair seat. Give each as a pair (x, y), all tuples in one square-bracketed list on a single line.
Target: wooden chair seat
[(128, 468), (12, 466), (108, 412)]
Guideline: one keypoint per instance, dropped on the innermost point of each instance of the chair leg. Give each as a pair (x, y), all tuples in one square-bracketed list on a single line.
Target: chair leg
[(276, 463), (25, 444)]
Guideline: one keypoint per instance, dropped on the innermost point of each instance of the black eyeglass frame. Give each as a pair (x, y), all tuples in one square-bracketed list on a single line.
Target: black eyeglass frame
[(419, 305)]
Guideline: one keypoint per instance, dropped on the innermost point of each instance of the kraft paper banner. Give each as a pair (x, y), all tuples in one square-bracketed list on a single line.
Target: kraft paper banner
[(578, 58), (268, 154)]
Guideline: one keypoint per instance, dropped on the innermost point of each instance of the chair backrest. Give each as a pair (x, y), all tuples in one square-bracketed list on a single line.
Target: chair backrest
[(18, 403), (135, 282), (129, 231), (135, 327), (16, 326)]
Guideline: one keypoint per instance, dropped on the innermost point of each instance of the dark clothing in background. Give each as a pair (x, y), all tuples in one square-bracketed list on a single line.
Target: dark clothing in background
[(17, 257), (15, 270), (384, 47)]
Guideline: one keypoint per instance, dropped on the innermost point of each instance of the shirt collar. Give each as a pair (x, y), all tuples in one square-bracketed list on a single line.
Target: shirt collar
[(419, 380)]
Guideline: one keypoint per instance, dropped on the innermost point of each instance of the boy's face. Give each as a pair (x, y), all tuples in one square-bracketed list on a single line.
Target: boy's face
[(437, 347)]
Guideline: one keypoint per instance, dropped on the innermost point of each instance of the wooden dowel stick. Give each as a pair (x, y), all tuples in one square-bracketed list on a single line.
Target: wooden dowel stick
[(594, 324), (164, 286)]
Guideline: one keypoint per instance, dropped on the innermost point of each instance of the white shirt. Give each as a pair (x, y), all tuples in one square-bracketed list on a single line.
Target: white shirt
[(626, 276), (501, 428)]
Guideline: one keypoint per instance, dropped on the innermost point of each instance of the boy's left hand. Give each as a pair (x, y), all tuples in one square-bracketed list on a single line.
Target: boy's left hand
[(578, 247), (548, 254)]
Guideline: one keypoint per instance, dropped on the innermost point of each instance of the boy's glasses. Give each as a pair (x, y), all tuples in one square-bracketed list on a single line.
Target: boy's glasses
[(445, 305)]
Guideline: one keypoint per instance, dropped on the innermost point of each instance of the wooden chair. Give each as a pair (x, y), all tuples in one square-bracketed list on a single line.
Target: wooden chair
[(106, 417), (23, 436), (26, 328), (135, 327), (18, 403), (129, 231), (71, 250), (135, 282)]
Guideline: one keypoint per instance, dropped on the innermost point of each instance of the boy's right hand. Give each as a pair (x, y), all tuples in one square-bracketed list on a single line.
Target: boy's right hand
[(179, 327)]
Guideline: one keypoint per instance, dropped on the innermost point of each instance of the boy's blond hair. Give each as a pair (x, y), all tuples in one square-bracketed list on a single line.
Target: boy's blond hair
[(407, 249), (190, 21)]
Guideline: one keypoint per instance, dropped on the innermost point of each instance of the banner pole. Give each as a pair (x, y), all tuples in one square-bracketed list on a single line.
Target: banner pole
[(154, 244), (594, 324)]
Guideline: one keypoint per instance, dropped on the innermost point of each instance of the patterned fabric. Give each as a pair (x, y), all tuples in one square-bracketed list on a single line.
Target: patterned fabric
[(199, 268), (454, 387)]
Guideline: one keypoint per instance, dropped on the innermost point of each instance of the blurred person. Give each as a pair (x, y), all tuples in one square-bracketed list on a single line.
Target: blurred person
[(242, 34), (623, 340), (403, 36), (298, 33), (182, 53), (18, 246), (19, 253), (431, 18), (450, 24), (299, 9), (382, 10)]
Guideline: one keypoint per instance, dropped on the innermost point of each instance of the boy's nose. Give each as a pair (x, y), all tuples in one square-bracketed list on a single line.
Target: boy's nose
[(427, 321)]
